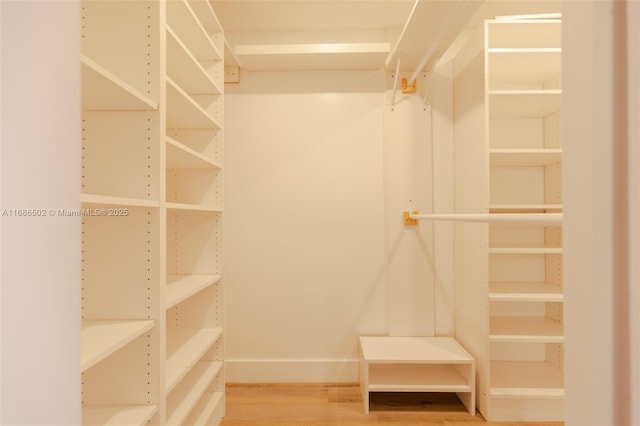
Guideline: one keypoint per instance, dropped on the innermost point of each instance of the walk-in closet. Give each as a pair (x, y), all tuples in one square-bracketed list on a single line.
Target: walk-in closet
[(383, 198)]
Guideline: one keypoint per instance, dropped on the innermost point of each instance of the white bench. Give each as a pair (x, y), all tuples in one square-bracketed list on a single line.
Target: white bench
[(416, 364)]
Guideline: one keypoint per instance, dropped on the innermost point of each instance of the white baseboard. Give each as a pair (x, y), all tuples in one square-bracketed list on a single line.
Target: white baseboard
[(291, 371)]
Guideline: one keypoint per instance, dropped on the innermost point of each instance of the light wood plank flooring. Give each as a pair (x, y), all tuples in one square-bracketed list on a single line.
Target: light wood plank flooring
[(341, 404)]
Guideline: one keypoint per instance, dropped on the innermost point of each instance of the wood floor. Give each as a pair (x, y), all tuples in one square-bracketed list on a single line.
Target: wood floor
[(313, 405)]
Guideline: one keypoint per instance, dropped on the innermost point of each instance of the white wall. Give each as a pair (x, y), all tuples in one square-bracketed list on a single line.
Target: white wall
[(304, 220), (318, 170), (601, 234), (40, 265), (408, 187), (419, 177)]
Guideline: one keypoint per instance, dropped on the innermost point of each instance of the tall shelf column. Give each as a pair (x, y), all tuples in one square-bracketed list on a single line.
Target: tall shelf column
[(152, 192), (508, 158), (193, 202), (522, 83), (120, 216)]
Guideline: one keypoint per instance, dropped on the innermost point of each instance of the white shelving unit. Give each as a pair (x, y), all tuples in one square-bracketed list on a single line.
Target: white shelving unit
[(416, 364), (121, 105), (525, 333), (509, 275), (194, 374), (152, 195)]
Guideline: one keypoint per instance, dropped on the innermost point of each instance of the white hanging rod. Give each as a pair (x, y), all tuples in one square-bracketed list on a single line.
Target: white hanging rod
[(520, 218), (436, 44)]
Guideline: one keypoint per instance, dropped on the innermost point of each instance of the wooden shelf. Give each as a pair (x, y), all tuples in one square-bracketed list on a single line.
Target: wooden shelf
[(525, 329), (524, 249), (184, 398), (180, 287), (106, 200), (99, 339), (416, 378), (185, 69), (180, 156), (524, 103), (524, 292), (182, 19), (524, 157), (185, 347), (118, 415), (102, 90), (209, 403), (518, 379), (183, 111)]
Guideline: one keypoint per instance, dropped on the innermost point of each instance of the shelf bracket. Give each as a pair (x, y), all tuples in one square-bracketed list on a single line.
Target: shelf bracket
[(408, 221), (408, 88)]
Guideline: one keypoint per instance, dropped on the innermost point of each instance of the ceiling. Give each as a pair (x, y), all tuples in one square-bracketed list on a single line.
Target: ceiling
[(349, 34)]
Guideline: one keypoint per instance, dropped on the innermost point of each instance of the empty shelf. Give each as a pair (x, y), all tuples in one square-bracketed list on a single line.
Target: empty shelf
[(524, 249), (416, 378), (185, 347), (524, 292), (192, 207), (102, 90), (117, 415), (524, 66), (186, 25), (435, 350), (185, 69), (208, 404), (180, 287), (326, 56), (180, 156), (184, 112), (102, 338), (107, 200), (523, 103), (517, 379), (525, 157), (525, 329), (185, 397)]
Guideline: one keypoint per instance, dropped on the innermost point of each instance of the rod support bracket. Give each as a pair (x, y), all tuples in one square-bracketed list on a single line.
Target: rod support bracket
[(407, 219), (408, 88)]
